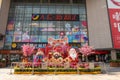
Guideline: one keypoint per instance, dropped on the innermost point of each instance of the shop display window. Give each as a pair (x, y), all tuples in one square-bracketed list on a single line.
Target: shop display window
[(21, 27)]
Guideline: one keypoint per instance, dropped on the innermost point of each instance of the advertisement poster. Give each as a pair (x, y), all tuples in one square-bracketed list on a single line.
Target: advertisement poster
[(114, 16)]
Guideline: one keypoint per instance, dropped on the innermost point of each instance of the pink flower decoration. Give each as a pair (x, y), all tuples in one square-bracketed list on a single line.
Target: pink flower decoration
[(27, 49), (86, 50)]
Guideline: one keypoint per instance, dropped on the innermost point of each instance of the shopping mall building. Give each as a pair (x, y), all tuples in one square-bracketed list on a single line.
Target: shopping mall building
[(96, 22)]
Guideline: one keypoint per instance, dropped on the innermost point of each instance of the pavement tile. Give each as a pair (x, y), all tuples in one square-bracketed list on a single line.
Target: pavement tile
[(5, 75)]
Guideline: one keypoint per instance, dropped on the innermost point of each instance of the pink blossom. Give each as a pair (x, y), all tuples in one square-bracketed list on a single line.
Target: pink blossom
[(27, 49), (86, 50)]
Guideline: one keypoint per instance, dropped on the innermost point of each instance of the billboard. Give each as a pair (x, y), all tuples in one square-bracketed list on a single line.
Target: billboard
[(55, 17), (114, 16)]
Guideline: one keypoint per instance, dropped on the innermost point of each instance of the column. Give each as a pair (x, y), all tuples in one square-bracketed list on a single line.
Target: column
[(113, 55)]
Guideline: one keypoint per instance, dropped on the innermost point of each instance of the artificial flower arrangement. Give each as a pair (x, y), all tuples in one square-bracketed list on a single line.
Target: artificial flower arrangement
[(59, 58)]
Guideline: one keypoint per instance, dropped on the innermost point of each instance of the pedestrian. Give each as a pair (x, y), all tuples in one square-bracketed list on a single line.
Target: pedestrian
[(6, 61)]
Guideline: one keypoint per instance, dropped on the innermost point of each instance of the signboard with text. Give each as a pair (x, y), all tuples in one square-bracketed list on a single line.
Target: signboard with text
[(55, 17), (114, 16)]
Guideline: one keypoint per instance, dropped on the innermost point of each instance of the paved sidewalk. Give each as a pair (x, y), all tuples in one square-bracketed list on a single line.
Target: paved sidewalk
[(5, 75), (114, 70)]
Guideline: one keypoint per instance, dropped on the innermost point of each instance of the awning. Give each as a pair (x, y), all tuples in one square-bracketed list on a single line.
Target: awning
[(102, 52)]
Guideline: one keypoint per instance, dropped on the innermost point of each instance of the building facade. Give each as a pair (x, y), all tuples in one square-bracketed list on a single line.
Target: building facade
[(34, 21)]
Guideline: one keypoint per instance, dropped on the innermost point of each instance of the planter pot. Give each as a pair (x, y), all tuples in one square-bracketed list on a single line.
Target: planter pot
[(119, 64), (2, 64), (114, 64)]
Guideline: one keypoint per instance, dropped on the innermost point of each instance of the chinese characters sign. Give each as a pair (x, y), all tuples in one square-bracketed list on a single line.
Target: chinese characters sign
[(55, 17), (114, 15)]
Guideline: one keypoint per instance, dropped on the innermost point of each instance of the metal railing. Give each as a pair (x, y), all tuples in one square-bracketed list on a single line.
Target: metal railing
[(44, 65)]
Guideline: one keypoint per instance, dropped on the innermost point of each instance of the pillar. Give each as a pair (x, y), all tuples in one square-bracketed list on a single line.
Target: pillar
[(113, 55)]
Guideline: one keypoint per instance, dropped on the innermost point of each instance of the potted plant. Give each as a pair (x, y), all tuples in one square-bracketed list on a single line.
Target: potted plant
[(2, 62)]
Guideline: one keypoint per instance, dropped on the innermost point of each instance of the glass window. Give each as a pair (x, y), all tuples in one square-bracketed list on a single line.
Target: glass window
[(18, 31), (51, 9), (75, 10), (58, 29), (40, 46), (36, 9), (44, 32), (17, 38), (15, 57), (10, 26), (51, 29), (27, 24), (44, 9), (68, 26), (25, 37), (7, 45), (34, 24), (82, 11), (67, 9), (39, 38), (33, 32), (70, 39), (21, 28), (60, 9), (34, 29), (44, 38), (28, 9), (52, 33), (83, 17), (51, 36), (26, 29), (27, 16), (18, 24), (51, 24), (8, 38), (9, 32), (34, 39), (43, 24), (57, 36)]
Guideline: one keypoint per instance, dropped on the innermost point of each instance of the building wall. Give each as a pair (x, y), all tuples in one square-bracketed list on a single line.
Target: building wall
[(0, 3), (3, 17), (98, 24)]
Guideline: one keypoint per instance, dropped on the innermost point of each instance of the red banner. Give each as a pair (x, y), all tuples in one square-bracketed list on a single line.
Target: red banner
[(114, 15), (115, 26)]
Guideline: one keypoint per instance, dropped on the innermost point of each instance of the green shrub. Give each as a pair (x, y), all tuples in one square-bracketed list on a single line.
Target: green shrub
[(114, 60)]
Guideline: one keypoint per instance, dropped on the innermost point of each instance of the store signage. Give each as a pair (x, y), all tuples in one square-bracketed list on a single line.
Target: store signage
[(14, 45), (17, 45), (114, 16), (55, 17), (15, 51)]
